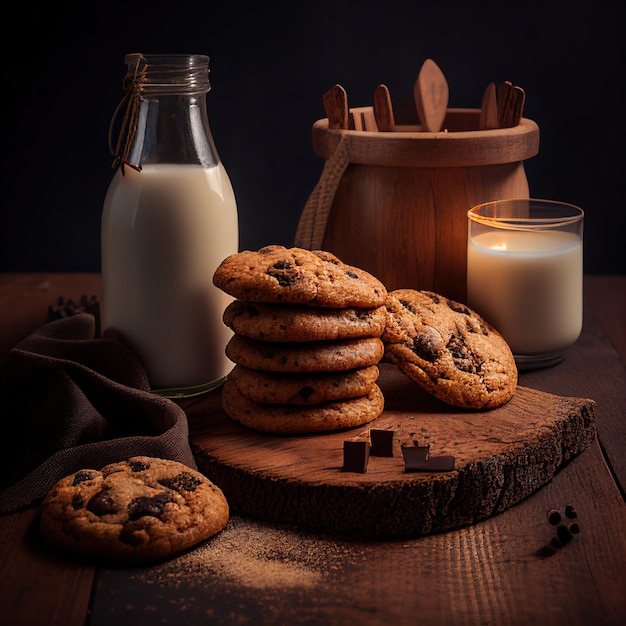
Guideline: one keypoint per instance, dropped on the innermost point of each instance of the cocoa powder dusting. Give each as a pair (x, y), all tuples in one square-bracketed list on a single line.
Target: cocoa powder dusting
[(244, 556)]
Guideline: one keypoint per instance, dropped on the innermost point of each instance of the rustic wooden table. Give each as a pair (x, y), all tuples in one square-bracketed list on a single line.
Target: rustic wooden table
[(260, 573)]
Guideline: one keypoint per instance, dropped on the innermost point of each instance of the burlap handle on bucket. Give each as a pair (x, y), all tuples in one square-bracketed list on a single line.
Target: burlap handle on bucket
[(312, 224)]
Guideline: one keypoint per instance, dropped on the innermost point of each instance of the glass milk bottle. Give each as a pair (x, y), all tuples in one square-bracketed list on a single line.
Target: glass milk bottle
[(169, 219)]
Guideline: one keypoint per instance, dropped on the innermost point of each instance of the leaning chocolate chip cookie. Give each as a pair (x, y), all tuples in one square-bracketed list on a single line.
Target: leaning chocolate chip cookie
[(284, 322), (141, 509), (301, 420), (448, 349), (297, 276)]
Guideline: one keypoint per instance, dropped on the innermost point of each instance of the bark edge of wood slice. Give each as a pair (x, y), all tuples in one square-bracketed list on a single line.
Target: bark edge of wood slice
[(501, 457)]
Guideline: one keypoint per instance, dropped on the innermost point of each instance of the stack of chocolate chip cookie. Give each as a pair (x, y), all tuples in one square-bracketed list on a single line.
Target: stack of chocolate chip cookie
[(307, 341)]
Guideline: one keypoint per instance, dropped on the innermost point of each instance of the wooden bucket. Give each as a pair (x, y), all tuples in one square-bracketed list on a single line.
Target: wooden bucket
[(395, 203)]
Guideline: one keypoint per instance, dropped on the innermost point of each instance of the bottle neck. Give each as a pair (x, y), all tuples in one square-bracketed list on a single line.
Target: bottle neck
[(166, 118)]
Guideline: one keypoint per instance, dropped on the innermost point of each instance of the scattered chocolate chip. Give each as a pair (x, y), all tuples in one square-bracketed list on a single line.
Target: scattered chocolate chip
[(554, 517), (352, 274), (382, 442), (563, 534), (355, 456), (63, 308), (570, 511), (574, 528)]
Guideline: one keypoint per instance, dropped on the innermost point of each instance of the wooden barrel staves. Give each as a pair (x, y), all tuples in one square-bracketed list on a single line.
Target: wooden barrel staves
[(395, 203)]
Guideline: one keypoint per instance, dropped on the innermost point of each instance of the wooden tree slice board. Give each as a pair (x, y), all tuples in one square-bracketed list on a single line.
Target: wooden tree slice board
[(501, 457)]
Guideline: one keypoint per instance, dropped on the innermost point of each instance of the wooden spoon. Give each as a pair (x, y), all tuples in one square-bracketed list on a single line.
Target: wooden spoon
[(383, 110), (336, 106), (431, 96), (511, 100), (489, 109)]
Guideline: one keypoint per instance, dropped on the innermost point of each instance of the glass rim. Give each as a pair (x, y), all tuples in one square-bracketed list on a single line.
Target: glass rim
[(576, 214)]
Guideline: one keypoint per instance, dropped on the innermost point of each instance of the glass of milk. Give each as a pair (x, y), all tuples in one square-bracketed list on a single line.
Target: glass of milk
[(525, 275)]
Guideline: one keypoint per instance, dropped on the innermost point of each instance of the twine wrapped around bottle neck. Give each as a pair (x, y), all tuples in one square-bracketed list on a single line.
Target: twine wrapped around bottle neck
[(156, 75), (130, 101)]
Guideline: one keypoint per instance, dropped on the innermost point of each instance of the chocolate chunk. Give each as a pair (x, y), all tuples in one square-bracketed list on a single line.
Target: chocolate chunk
[(352, 275), (382, 442), (418, 459), (355, 456), (143, 505), (101, 504), (183, 481)]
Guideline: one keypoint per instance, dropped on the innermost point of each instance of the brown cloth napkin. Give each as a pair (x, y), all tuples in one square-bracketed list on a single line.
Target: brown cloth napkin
[(70, 401)]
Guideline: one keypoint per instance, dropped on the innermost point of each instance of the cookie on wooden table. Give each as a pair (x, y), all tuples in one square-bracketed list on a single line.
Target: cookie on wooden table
[(449, 350), (142, 509), (314, 356), (301, 420), (297, 276), (303, 389), (285, 322)]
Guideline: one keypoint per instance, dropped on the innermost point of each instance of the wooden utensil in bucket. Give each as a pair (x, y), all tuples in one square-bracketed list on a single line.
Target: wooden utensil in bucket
[(395, 203)]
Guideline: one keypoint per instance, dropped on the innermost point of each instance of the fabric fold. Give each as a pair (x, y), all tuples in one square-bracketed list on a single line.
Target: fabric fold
[(69, 401)]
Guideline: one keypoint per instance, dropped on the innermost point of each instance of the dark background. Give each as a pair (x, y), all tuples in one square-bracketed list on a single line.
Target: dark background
[(271, 62)]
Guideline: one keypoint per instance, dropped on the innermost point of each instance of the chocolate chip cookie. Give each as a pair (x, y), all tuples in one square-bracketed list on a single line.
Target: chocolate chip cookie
[(296, 420), (141, 509), (297, 276), (284, 322), (303, 389), (314, 356), (448, 349)]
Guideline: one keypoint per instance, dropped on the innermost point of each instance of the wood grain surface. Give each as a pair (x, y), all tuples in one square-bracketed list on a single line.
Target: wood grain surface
[(501, 457)]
